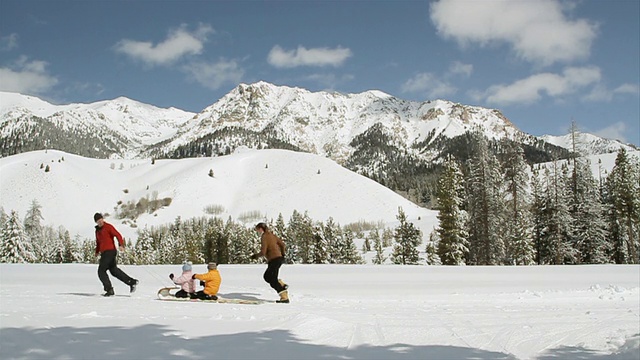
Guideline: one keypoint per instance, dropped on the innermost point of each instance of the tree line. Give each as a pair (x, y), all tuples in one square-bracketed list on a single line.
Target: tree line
[(505, 212), (493, 209), (205, 239)]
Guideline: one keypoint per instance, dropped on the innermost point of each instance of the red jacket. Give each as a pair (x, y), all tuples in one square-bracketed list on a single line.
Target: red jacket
[(104, 238)]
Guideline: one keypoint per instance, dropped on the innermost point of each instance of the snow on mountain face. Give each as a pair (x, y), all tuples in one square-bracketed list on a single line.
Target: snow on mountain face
[(587, 144), (139, 123), (325, 123)]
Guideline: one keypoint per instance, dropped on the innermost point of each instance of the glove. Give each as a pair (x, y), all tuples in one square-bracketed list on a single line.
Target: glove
[(193, 276), (201, 283), (171, 276)]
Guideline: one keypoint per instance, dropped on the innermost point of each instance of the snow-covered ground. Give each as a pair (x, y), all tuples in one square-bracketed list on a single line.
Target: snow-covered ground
[(337, 312)]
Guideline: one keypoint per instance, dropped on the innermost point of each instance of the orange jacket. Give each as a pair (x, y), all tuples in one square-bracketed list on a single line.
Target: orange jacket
[(211, 280)]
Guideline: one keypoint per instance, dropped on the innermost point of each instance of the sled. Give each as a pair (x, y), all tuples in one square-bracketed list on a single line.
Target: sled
[(165, 294)]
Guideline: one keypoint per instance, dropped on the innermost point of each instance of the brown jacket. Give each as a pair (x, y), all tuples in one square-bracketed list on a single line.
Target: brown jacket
[(272, 246)]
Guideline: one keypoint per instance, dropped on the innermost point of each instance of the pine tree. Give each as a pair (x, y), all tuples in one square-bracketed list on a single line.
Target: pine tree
[(70, 247), (296, 222), (379, 258), (145, 252), (88, 249), (3, 217), (518, 221), (302, 229), (32, 220), (320, 252), (538, 213), (589, 227), (557, 226), (486, 207), (331, 232), (14, 247), (280, 230), (431, 250), (623, 198), (35, 231), (407, 239), (453, 246), (346, 250)]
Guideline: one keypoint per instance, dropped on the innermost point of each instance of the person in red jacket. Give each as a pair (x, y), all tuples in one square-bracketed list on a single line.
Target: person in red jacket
[(105, 247)]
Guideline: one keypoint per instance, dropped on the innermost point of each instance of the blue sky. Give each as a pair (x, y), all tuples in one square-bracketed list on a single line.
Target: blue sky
[(541, 62)]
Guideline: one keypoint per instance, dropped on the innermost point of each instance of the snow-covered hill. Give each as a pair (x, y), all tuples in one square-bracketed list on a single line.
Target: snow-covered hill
[(264, 182), (587, 144)]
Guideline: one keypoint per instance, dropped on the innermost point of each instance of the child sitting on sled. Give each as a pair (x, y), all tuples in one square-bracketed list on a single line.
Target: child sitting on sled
[(186, 282), (212, 282)]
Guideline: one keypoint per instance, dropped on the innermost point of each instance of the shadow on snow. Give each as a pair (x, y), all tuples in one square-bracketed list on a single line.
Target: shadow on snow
[(160, 342)]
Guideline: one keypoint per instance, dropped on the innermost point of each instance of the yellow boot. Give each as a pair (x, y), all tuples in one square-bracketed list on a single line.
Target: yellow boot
[(284, 297)]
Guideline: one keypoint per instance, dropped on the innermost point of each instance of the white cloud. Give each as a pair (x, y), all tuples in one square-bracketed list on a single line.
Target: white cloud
[(429, 84), (627, 89), (433, 85), (302, 56), (530, 90), (537, 31), (179, 43), (614, 131), (9, 42), (27, 77), (599, 93), (458, 68), (602, 93), (214, 75)]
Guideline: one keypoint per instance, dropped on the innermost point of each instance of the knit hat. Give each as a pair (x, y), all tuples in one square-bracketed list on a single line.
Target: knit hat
[(96, 217), (212, 266), (186, 266)]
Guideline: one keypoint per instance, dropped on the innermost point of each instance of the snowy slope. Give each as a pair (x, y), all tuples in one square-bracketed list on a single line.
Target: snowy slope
[(601, 164), (265, 181), (588, 144), (337, 312)]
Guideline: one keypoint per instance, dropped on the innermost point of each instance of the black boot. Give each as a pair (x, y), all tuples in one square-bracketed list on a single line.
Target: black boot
[(109, 293), (132, 286)]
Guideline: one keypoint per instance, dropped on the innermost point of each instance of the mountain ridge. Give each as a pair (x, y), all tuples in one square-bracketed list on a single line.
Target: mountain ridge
[(321, 122)]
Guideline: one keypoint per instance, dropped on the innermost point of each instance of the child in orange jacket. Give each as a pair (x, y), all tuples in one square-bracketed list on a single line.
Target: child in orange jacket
[(212, 282)]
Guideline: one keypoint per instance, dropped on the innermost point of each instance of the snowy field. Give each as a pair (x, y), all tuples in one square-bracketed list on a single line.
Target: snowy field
[(337, 312)]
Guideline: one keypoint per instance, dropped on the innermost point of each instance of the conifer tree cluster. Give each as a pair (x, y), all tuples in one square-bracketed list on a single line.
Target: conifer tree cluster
[(503, 212)]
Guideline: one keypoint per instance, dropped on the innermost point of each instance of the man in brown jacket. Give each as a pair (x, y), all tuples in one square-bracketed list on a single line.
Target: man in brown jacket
[(273, 250)]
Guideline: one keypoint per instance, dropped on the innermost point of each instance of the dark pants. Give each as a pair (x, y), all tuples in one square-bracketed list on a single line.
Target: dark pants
[(202, 296), (271, 274), (108, 262), (184, 294)]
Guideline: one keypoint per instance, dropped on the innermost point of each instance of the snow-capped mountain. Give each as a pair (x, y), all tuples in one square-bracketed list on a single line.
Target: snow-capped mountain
[(587, 144), (326, 123), (122, 126), (343, 127)]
